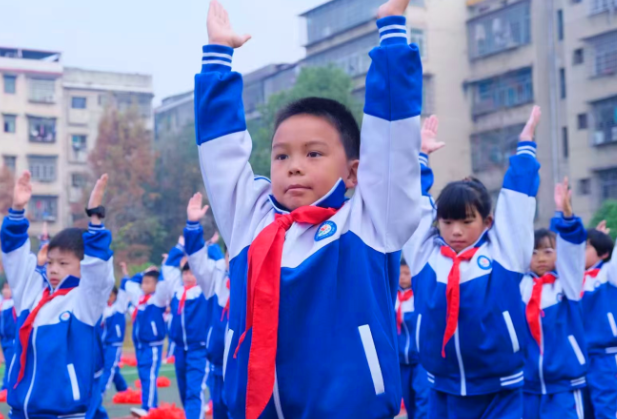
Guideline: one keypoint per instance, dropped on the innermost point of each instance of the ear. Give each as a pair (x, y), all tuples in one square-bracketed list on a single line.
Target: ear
[(603, 256), (488, 222), (352, 177)]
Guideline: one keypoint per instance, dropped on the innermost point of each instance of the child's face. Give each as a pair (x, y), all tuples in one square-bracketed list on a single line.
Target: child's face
[(308, 158), (148, 285), (188, 279), (6, 291), (591, 256), (404, 278), (112, 298), (544, 257), (461, 234), (60, 264)]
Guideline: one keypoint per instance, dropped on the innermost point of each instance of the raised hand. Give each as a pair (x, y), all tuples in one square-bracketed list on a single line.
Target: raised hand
[(181, 241), (530, 128), (22, 192), (392, 8), (429, 135), (214, 238), (125, 269), (96, 197), (563, 198), (219, 28), (601, 227), (194, 210), (41, 257)]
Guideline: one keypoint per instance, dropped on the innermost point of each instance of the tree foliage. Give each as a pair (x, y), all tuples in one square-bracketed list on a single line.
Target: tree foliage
[(608, 212), (326, 82)]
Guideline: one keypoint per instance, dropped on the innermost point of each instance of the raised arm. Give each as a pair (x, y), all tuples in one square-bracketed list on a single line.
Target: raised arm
[(417, 249), (97, 267), (19, 263), (239, 199), (389, 173), (171, 275), (571, 242), (511, 236)]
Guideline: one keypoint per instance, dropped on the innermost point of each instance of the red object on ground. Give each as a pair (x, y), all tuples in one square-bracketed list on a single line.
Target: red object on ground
[(129, 360), (209, 408), (137, 383), (1, 417), (129, 396), (171, 360), (160, 382), (3, 396), (166, 411), (120, 364)]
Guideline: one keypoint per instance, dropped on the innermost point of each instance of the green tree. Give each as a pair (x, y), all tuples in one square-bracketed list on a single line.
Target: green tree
[(608, 212), (326, 82)]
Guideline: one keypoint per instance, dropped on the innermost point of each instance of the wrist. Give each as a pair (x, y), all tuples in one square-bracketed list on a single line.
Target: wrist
[(220, 42), (18, 208)]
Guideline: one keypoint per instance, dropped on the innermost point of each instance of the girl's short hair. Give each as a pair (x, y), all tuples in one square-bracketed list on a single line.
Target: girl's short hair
[(542, 234), (458, 200)]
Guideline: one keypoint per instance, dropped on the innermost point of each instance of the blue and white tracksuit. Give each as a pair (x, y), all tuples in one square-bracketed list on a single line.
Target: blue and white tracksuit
[(8, 331), (555, 370), (337, 334), (113, 330), (62, 358), (481, 374), (599, 304), (149, 328), (413, 376), (212, 276)]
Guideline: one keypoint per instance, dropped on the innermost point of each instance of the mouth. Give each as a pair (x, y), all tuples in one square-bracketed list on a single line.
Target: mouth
[(296, 188)]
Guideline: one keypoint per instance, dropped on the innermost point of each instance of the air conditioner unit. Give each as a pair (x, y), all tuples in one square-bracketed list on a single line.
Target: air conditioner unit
[(598, 138)]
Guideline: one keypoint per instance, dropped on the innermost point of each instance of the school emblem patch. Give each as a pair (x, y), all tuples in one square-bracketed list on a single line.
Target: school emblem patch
[(327, 229), (484, 263), (65, 316)]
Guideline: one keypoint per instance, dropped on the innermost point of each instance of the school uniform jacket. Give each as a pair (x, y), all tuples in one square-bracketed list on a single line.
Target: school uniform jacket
[(336, 331), (61, 363), (407, 333), (485, 354), (559, 362), (8, 324), (114, 318), (599, 305), (211, 276)]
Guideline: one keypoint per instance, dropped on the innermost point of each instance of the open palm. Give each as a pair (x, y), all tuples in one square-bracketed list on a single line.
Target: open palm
[(219, 28), (530, 128), (22, 192), (429, 135), (194, 210)]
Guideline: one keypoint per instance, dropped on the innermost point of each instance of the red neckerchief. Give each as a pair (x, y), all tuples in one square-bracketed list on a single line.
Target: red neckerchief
[(453, 291), (226, 309), (26, 329), (142, 301), (183, 299), (403, 296), (262, 302), (533, 310)]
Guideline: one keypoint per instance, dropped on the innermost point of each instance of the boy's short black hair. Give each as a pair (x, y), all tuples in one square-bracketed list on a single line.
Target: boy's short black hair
[(601, 242), (334, 112), (69, 240), (186, 267), (458, 200), (114, 290), (403, 262), (153, 274), (542, 234)]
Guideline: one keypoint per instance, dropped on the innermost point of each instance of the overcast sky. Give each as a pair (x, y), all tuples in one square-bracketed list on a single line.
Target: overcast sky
[(158, 37)]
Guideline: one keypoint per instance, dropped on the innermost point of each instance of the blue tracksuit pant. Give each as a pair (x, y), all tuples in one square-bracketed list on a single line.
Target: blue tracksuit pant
[(148, 365), (8, 351), (564, 405), (191, 373), (503, 405), (215, 384), (602, 385), (111, 373), (415, 391)]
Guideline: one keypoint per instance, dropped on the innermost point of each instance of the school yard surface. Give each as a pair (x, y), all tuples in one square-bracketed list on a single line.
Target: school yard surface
[(115, 411)]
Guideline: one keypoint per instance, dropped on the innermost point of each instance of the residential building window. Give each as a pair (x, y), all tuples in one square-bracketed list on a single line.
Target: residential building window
[(562, 83), (416, 36), (584, 186), (604, 117), (10, 84), (78, 102), (43, 208), (560, 25), (43, 168), (499, 31), (103, 100), (10, 162), (582, 120), (9, 123), (608, 184), (42, 130), (505, 91), (352, 57), (578, 56), (79, 148), (78, 180), (601, 6), (491, 149), (565, 143), (428, 95), (43, 90), (603, 50)]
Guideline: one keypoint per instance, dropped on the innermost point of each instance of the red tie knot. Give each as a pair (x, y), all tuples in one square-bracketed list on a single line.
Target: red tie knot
[(465, 256), (546, 279), (284, 220)]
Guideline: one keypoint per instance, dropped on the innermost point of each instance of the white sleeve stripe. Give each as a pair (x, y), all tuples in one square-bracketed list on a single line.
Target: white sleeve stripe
[(216, 54), (394, 35), (526, 152), (423, 160), (228, 64), (392, 27)]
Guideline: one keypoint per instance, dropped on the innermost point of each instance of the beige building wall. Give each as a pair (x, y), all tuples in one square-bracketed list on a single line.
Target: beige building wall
[(23, 105)]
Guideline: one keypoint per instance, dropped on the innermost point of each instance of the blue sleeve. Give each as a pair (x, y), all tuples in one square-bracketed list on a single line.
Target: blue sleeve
[(97, 242), (14, 233), (137, 278), (175, 256), (523, 174), (555, 220), (426, 175), (215, 252), (194, 238), (571, 243), (123, 283)]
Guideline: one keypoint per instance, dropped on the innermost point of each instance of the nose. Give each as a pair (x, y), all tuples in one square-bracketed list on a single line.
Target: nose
[(295, 166)]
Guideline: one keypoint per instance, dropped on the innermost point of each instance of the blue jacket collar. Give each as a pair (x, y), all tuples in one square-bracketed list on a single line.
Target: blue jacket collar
[(335, 198), (481, 240), (68, 282), (536, 276)]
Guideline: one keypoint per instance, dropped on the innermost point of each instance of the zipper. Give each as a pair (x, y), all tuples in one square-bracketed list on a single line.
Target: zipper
[(277, 397), (461, 367), (186, 347), (27, 399), (407, 343), (541, 361)]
